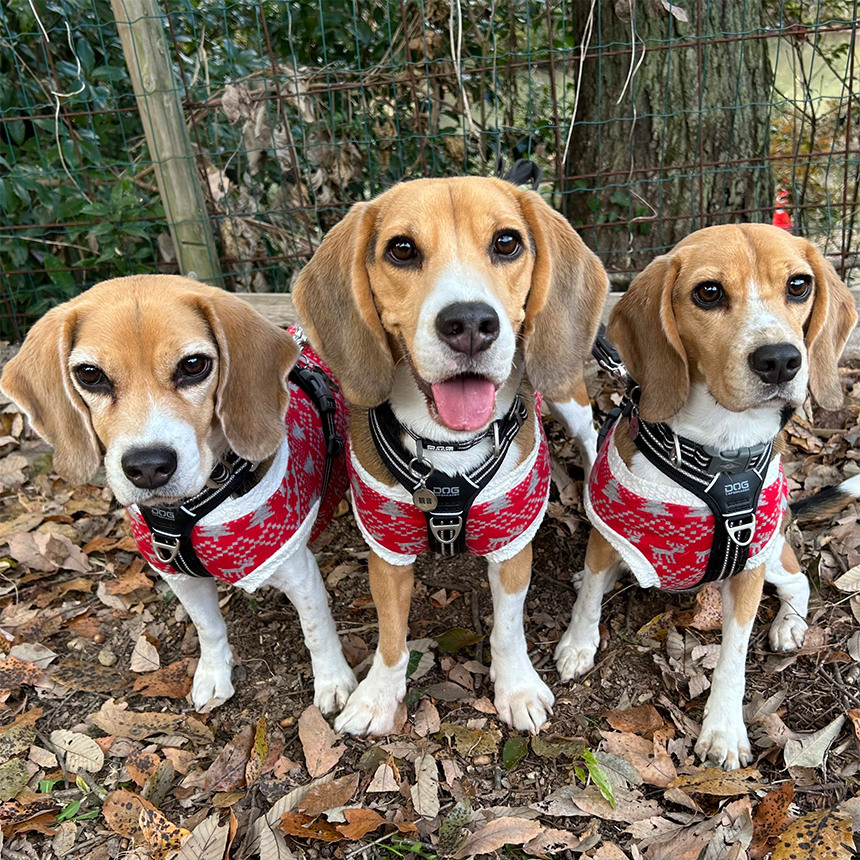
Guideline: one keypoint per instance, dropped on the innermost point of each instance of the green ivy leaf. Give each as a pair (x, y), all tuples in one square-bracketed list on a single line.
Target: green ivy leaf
[(514, 751), (599, 777)]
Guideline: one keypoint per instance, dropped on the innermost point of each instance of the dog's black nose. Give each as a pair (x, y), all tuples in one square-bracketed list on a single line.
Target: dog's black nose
[(776, 362), (149, 468), (468, 327)]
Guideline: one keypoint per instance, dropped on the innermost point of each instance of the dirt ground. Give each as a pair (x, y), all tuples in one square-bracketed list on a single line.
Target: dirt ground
[(98, 658)]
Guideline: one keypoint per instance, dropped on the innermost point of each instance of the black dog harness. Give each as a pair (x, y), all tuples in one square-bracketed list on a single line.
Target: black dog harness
[(445, 500), (171, 525), (728, 482)]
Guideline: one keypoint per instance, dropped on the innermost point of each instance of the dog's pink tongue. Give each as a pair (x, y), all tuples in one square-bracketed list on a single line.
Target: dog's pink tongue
[(465, 402)]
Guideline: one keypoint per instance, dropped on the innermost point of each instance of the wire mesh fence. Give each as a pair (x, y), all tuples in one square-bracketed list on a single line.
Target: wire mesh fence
[(649, 119)]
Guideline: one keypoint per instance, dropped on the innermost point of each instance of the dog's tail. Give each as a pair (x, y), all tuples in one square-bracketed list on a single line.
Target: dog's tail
[(828, 502)]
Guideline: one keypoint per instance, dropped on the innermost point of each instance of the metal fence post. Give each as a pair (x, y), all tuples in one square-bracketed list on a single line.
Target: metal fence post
[(145, 47)]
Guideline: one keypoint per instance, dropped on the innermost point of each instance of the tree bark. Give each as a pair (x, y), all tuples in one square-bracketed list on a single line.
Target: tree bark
[(687, 145)]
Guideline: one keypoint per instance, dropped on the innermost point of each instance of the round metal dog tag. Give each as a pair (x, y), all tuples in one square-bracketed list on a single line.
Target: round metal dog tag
[(424, 499)]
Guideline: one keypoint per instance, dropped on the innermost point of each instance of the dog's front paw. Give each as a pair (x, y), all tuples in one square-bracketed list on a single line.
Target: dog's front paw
[(522, 700), (724, 742), (371, 708), (213, 682), (787, 630), (332, 687), (574, 655)]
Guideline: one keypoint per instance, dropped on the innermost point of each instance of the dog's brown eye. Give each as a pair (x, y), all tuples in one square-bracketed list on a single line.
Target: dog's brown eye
[(507, 243), (708, 294), (402, 250), (92, 378), (192, 369), (799, 287)]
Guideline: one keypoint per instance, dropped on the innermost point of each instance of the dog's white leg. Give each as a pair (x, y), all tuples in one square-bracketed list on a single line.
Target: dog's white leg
[(299, 578), (574, 654), (576, 417), (213, 683), (792, 586), (522, 699), (723, 739), (372, 707)]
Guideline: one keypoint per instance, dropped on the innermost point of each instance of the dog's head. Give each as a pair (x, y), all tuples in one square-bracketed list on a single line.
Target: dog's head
[(160, 373), (749, 311), (446, 279)]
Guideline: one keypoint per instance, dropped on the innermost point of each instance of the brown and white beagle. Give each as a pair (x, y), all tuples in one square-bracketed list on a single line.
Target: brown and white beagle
[(169, 381), (446, 298), (723, 335)]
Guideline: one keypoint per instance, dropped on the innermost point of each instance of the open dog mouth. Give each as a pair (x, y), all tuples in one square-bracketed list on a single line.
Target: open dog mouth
[(463, 402)]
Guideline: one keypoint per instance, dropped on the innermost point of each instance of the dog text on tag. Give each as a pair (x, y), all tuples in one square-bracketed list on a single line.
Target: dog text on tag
[(424, 499)]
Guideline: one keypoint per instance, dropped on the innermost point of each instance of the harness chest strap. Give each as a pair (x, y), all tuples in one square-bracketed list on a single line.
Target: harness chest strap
[(446, 501)]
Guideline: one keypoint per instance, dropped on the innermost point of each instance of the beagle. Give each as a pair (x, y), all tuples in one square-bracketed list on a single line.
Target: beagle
[(184, 390), (442, 305), (720, 337)]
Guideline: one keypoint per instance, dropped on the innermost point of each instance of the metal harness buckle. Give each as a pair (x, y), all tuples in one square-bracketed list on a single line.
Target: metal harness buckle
[(735, 528), (161, 544), (447, 533)]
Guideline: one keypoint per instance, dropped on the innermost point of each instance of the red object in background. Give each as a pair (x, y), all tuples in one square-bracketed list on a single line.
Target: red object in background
[(781, 218)]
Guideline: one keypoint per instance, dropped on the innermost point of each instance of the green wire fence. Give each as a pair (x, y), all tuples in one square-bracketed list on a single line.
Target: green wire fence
[(225, 138)]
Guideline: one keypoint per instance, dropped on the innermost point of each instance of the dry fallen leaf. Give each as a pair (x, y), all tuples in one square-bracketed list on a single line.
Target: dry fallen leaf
[(644, 720), (718, 782), (810, 750), (329, 795), (115, 719), (426, 719), (360, 822), (771, 819), (171, 682), (309, 827), (318, 739), (145, 657), (824, 835), (13, 777), (498, 833), (80, 751), (384, 779), (227, 772), (550, 840), (259, 753), (208, 841), (161, 834), (425, 792), (121, 810)]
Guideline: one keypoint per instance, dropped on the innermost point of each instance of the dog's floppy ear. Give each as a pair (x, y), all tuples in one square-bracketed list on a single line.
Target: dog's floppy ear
[(336, 307), (833, 316), (642, 328), (568, 290), (255, 358), (38, 380)]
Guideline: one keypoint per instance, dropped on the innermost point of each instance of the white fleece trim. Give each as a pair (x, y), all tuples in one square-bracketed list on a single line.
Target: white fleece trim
[(639, 566), (233, 508)]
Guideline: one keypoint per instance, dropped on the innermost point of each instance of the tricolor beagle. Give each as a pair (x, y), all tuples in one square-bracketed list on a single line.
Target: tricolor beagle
[(721, 337), (442, 306), (184, 390)]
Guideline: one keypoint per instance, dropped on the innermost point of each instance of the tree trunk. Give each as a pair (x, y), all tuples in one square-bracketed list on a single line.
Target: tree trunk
[(687, 145)]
